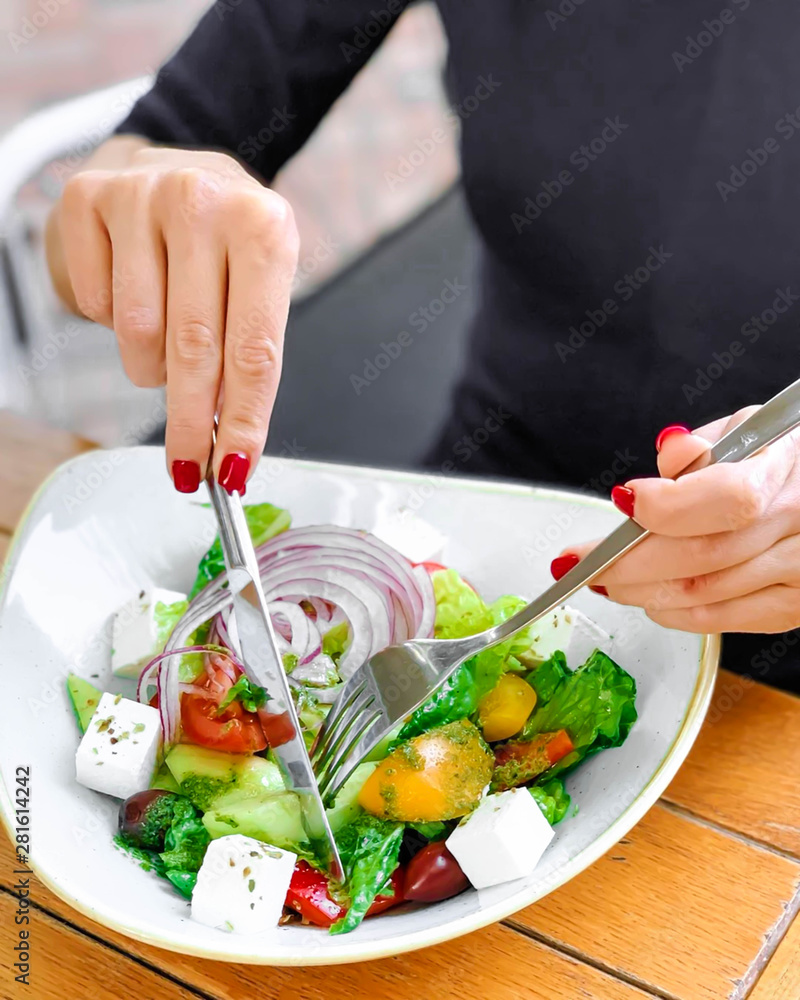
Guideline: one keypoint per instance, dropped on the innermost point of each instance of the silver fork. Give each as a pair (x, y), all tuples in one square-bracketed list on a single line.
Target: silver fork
[(384, 692)]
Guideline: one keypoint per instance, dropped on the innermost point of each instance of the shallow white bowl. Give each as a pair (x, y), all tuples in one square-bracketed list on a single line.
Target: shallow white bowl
[(108, 523)]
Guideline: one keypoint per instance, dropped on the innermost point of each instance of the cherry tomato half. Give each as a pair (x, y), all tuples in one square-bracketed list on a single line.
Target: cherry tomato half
[(434, 874), (233, 730)]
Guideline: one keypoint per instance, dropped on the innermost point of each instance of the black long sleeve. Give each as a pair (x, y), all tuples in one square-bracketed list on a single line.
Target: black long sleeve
[(255, 77)]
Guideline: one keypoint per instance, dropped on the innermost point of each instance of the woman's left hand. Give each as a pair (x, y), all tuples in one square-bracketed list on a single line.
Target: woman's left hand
[(725, 550)]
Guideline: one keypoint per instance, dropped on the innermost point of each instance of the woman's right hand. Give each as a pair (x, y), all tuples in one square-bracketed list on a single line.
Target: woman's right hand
[(190, 260)]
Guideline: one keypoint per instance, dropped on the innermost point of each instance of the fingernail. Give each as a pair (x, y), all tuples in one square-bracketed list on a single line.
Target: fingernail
[(623, 497), (599, 590), (186, 476), (670, 429), (233, 472), (563, 564)]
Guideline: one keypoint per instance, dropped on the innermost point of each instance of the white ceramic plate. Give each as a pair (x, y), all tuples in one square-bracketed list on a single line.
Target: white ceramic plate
[(108, 523)]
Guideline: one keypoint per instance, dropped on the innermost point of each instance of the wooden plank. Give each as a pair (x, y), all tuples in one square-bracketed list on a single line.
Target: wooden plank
[(66, 964), (781, 978), (742, 771), (29, 452), (680, 906)]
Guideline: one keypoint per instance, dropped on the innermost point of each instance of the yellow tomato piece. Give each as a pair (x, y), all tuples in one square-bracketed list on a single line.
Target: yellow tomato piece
[(505, 709), (436, 776)]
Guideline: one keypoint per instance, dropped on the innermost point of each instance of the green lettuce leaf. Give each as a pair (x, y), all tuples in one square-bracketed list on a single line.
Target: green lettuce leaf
[(335, 641), (185, 844), (369, 848), (553, 799), (460, 612), (547, 677), (596, 704), (264, 521), (166, 617)]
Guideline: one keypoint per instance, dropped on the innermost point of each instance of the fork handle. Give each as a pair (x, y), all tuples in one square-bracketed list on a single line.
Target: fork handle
[(768, 424)]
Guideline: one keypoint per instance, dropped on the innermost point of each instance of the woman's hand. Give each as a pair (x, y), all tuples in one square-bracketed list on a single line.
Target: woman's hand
[(190, 260), (725, 555)]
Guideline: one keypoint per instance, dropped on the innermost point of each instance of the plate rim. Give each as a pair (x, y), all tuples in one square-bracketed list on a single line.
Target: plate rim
[(670, 763)]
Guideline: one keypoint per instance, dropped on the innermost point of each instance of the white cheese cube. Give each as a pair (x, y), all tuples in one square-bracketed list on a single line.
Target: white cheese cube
[(503, 839), (118, 752), (135, 633), (411, 536), (242, 885), (570, 631)]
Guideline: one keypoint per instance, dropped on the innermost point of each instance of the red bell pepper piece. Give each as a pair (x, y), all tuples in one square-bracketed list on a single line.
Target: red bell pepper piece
[(308, 894)]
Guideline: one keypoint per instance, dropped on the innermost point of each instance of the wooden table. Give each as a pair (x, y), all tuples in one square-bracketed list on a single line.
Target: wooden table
[(699, 902)]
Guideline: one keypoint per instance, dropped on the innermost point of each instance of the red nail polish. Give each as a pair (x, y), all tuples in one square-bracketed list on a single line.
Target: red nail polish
[(671, 429), (561, 565), (624, 497), (599, 589), (233, 472), (186, 476)]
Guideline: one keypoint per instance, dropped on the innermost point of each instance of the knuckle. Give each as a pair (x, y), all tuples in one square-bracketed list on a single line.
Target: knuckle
[(245, 427), (266, 218), (258, 359), (196, 342), (190, 191), (749, 503), (692, 586), (140, 325), (80, 191), (95, 304)]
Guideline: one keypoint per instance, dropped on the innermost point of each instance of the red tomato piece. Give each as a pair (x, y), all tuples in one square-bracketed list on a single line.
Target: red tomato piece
[(308, 895)]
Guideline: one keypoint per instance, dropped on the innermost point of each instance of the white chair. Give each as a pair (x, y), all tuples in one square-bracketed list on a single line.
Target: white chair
[(64, 132)]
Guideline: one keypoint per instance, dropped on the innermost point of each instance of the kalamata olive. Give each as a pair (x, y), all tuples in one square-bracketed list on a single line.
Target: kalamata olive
[(144, 818), (434, 874)]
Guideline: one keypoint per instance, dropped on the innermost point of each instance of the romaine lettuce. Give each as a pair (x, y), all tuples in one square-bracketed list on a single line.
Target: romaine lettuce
[(596, 704), (264, 521), (369, 848)]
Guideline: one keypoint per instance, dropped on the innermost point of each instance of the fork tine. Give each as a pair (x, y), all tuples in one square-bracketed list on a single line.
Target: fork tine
[(346, 723), (331, 782), (340, 709)]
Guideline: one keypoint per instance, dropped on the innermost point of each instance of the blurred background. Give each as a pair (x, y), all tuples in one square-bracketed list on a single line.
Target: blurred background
[(374, 251)]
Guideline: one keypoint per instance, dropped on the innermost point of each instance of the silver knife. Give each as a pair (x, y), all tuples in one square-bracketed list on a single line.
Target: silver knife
[(264, 666)]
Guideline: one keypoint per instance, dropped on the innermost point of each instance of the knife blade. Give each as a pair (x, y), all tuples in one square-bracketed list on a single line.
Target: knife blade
[(264, 666)]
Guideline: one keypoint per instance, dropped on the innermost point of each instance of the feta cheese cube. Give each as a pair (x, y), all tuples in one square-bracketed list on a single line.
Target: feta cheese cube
[(135, 633), (503, 839), (570, 631), (411, 536), (118, 752), (242, 884)]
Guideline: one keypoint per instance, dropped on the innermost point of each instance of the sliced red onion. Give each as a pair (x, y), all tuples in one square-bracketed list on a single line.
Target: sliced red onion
[(339, 574)]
